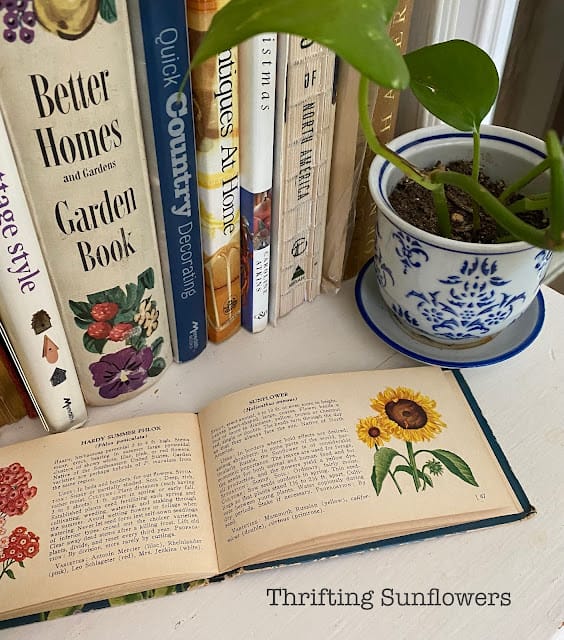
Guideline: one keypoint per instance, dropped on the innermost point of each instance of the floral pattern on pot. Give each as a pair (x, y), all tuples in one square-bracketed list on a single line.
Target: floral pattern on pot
[(474, 302), (411, 253), (447, 291)]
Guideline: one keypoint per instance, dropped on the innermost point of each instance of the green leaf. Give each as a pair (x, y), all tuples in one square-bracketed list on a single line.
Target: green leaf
[(373, 479), (157, 367), (124, 316), (10, 574), (131, 297), (81, 309), (108, 11), (382, 462), (164, 591), (156, 346), (426, 479), (92, 344), (455, 464), (83, 324), (146, 280), (137, 342), (119, 296), (404, 467), (132, 597), (115, 294), (96, 298), (358, 35), (62, 613), (455, 80)]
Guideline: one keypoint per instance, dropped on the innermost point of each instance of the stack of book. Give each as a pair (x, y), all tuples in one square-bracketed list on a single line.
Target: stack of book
[(147, 210)]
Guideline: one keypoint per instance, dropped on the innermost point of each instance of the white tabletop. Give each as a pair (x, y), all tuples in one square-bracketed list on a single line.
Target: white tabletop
[(523, 400)]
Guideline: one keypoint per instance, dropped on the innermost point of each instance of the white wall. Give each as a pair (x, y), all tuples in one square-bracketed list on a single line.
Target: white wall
[(487, 23)]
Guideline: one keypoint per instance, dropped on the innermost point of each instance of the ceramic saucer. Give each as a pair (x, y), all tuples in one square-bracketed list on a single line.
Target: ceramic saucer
[(512, 340)]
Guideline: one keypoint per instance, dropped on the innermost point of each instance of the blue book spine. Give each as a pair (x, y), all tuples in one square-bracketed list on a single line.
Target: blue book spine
[(160, 39)]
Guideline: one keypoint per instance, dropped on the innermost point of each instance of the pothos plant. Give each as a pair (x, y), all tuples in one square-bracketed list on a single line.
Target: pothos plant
[(455, 80)]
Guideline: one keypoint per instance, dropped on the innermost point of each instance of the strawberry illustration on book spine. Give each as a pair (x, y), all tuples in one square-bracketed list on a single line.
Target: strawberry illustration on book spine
[(160, 45), (216, 119), (69, 100)]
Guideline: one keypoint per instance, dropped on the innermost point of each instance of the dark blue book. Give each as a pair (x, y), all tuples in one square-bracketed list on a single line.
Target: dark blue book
[(159, 33)]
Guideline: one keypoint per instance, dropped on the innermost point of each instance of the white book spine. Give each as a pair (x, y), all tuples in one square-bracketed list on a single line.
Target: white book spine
[(28, 308), (257, 84), (304, 121)]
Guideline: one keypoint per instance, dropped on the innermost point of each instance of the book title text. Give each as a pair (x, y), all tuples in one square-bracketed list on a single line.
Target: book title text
[(225, 96), (179, 128), (19, 263)]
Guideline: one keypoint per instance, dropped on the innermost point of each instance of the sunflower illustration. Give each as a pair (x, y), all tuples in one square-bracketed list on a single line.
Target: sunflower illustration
[(372, 432), (407, 414)]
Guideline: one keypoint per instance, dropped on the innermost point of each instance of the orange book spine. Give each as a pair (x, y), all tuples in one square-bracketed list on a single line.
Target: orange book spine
[(216, 120)]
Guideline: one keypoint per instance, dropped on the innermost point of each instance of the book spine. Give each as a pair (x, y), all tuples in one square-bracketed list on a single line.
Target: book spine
[(257, 85), (28, 308), (15, 402), (70, 103), (160, 46), (305, 114), (342, 181), (216, 116), (384, 116)]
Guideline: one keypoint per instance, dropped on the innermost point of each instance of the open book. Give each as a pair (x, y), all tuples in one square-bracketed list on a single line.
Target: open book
[(274, 473)]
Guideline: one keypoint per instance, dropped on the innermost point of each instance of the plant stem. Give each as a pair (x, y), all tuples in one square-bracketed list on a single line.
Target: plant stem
[(378, 147), (501, 214), (6, 566), (476, 154), (441, 207), (476, 176), (556, 160), (530, 203), (412, 464), (395, 482), (522, 182)]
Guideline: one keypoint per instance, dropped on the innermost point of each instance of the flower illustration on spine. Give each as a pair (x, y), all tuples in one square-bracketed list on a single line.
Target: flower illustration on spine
[(121, 316), (409, 416), (122, 372), (67, 20), (21, 543)]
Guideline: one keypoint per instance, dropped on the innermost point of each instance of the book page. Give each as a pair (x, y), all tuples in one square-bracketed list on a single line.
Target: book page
[(104, 511), (292, 465)]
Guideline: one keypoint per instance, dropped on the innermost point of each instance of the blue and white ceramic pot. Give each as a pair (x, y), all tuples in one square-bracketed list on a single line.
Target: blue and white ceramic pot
[(448, 291)]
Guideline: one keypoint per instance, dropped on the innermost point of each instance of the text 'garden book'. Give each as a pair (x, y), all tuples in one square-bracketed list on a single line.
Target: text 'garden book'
[(361, 459)]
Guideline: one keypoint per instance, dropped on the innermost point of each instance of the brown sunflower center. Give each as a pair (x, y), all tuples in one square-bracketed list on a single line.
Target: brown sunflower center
[(406, 413), (374, 432)]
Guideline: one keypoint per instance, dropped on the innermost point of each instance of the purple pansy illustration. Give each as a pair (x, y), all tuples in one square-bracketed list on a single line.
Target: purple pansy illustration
[(121, 372)]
